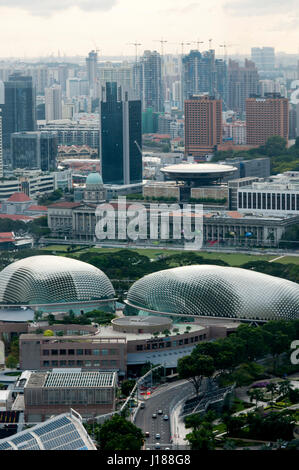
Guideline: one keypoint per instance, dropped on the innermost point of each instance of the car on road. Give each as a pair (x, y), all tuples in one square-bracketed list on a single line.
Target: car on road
[(147, 434), (160, 412), (157, 445), (157, 436), (154, 415), (142, 406), (165, 417)]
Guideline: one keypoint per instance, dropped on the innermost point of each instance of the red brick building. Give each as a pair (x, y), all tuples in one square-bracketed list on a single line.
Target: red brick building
[(203, 125), (266, 117)]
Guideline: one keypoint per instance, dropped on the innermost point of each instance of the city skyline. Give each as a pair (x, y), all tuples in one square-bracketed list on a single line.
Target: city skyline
[(82, 25)]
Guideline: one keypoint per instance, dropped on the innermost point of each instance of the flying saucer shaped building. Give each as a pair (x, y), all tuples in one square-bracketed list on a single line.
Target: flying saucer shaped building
[(55, 283), (215, 291), (198, 173)]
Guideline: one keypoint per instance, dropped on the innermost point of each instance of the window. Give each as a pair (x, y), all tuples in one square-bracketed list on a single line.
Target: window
[(79, 352), (139, 347), (96, 352), (87, 352), (54, 363), (62, 363), (96, 363), (113, 363), (180, 342), (195, 339), (71, 363), (79, 363), (168, 344), (71, 352), (87, 363), (46, 363), (154, 346), (104, 352), (105, 363), (186, 341), (54, 352), (62, 352), (46, 352)]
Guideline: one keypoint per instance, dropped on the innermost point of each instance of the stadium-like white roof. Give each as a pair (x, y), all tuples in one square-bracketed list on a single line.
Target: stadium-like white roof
[(216, 291), (52, 279)]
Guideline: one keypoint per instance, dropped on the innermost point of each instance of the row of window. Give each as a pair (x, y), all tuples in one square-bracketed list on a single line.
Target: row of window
[(268, 201), (168, 344), (80, 352), (104, 363)]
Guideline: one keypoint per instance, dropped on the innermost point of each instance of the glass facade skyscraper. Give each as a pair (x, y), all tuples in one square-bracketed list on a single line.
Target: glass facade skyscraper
[(34, 150), (120, 137), (19, 112)]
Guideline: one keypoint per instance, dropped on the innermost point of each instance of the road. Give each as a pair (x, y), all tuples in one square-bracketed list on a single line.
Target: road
[(161, 399)]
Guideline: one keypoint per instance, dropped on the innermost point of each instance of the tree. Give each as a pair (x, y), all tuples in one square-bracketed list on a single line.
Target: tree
[(275, 146), (256, 395), (284, 388), (127, 386), (119, 434), (11, 362), (194, 368), (202, 438), (272, 388)]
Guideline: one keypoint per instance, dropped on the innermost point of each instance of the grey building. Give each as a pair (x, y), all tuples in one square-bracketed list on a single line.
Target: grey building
[(120, 137), (34, 150), (151, 81), (19, 108)]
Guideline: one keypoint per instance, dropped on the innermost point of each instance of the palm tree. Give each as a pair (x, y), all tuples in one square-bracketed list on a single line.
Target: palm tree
[(284, 388), (272, 388), (256, 395)]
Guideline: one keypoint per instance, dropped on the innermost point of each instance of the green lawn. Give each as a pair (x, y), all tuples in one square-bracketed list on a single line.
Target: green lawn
[(233, 259), (289, 260)]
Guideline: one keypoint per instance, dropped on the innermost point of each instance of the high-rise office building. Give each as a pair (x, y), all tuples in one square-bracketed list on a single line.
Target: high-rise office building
[(150, 67), (91, 64), (198, 73), (34, 150), (203, 125), (242, 82), (120, 137), (202, 73), (264, 58), (19, 111), (266, 117), (53, 103)]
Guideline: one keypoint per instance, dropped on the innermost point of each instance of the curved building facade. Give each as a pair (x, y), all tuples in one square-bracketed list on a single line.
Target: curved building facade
[(54, 281), (215, 291)]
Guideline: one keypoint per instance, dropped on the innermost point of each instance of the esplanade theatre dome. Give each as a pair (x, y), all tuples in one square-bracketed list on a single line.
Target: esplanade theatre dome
[(215, 291), (49, 280)]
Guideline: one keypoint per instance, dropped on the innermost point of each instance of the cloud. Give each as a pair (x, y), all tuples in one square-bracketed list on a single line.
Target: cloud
[(49, 7), (259, 7)]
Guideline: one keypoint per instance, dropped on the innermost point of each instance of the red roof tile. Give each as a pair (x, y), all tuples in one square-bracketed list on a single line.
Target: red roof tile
[(65, 205), (4, 235), (37, 208), (25, 218), (19, 197)]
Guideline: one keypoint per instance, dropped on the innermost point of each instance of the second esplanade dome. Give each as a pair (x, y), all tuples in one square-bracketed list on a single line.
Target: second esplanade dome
[(216, 291)]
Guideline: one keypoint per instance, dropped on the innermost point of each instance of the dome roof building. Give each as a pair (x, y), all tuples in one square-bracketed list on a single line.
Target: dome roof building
[(215, 291), (53, 282), (94, 190)]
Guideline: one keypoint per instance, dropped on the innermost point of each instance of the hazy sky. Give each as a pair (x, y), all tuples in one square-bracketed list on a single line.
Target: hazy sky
[(42, 27)]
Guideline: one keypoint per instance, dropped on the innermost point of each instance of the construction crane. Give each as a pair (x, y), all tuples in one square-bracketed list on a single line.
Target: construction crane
[(136, 44), (138, 146), (162, 42), (197, 43), (225, 47)]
